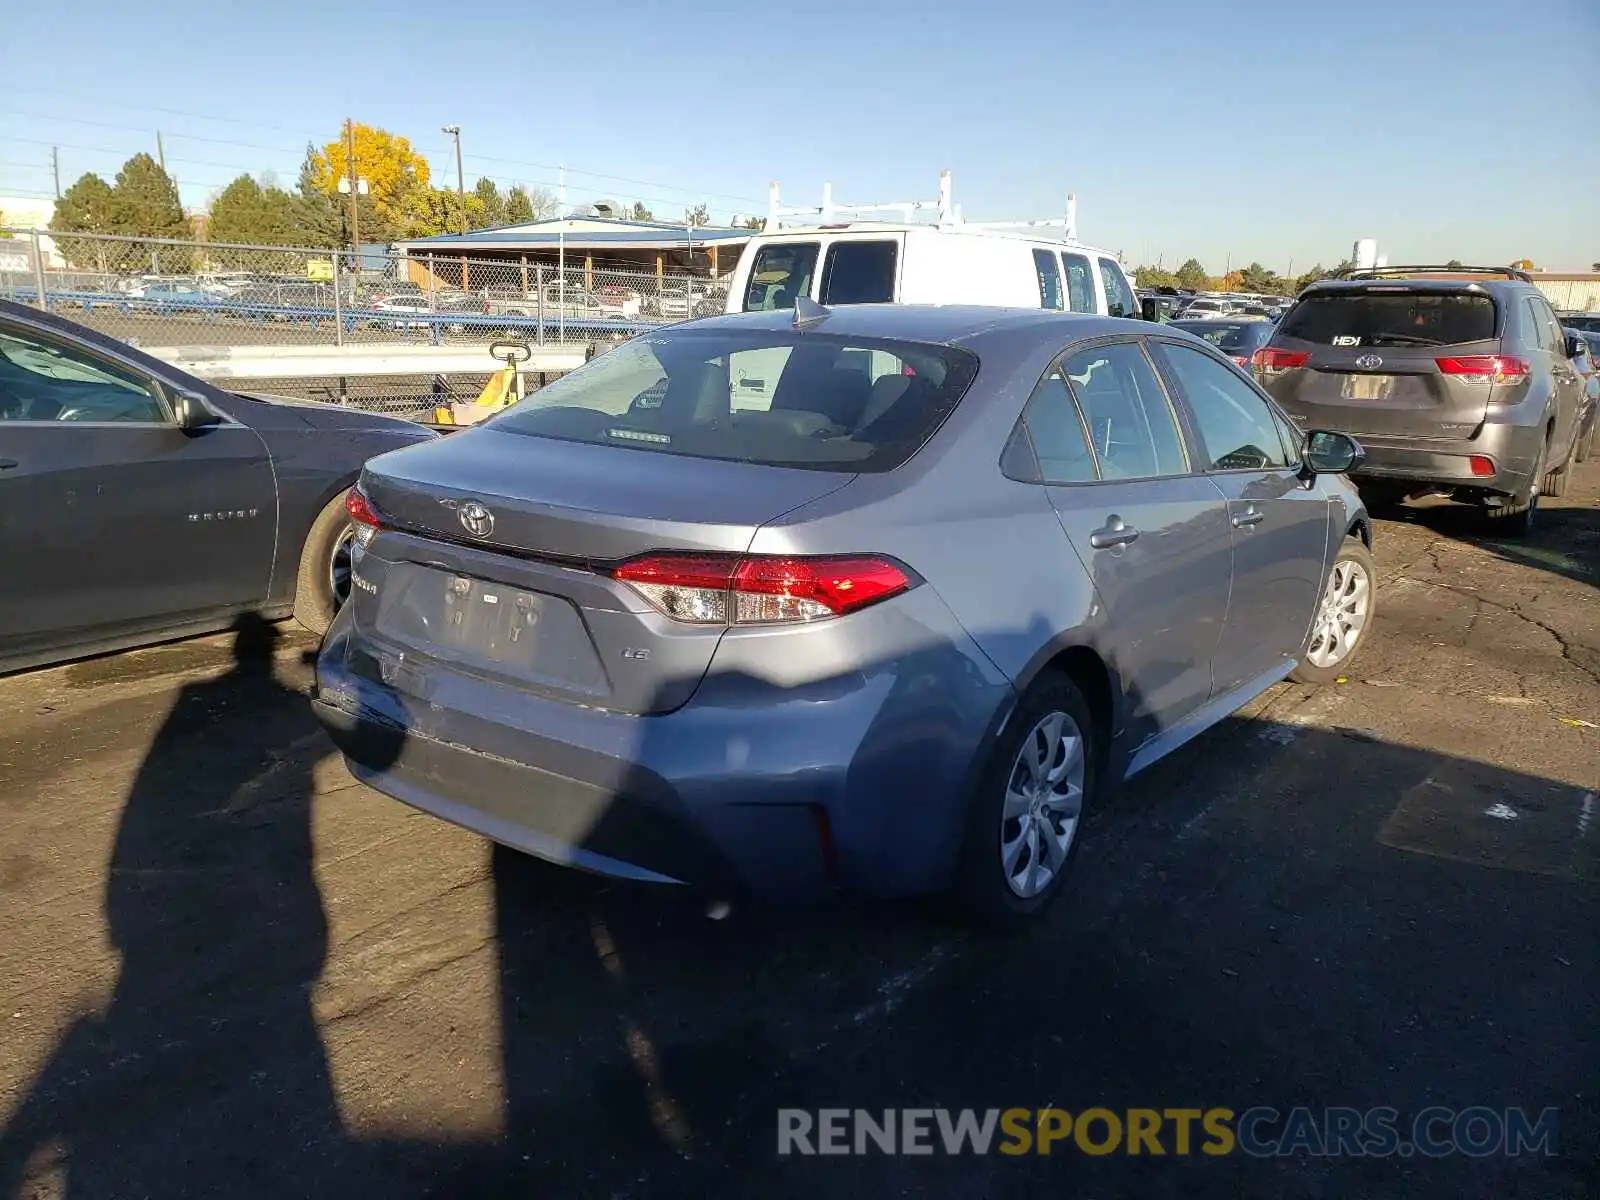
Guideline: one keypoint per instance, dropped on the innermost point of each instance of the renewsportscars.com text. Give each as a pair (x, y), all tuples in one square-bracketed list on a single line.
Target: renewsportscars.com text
[(1260, 1132)]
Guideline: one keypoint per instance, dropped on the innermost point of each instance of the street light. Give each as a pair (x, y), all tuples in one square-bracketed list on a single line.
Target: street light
[(461, 180)]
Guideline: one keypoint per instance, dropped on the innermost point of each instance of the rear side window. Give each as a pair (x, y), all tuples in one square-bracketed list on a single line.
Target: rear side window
[(781, 273), (1131, 426), (775, 398), (1391, 319), (1060, 443), (1119, 296), (859, 273), (1044, 262), (1080, 284)]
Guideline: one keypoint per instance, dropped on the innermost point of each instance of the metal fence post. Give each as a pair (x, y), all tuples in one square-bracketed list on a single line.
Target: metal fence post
[(338, 303), (38, 269)]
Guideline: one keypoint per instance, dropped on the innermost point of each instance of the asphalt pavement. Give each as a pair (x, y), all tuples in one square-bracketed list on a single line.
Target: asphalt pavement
[(226, 968)]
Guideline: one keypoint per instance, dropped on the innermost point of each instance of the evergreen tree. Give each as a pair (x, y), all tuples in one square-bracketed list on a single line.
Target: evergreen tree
[(492, 204), (86, 207)]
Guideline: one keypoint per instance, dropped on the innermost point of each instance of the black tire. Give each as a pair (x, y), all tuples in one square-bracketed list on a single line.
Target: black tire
[(1555, 482), (1354, 550), (316, 602), (981, 894)]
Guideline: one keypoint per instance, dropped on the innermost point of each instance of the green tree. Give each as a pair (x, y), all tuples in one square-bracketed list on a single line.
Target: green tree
[(318, 214), (1155, 277), (519, 207), (754, 222), (491, 202), (434, 210), (145, 201), (1455, 264), (1258, 279), (699, 215), (641, 213), (86, 207), (245, 212), (1192, 276)]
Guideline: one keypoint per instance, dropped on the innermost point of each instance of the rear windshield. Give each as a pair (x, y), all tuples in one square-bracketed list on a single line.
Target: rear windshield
[(777, 398), (1393, 319), (1224, 335)]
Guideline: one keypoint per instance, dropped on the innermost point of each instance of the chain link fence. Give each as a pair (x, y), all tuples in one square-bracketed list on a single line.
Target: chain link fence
[(172, 298)]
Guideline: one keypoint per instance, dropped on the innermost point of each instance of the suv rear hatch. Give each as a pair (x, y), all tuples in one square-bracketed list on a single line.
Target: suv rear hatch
[(1398, 360)]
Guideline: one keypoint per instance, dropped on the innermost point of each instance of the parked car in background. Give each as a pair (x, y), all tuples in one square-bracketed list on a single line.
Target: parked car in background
[(174, 293), (1239, 340), (403, 304), (680, 299), (1463, 386), (719, 607), (617, 301), (158, 505), (1586, 322), (1587, 364), (1204, 308)]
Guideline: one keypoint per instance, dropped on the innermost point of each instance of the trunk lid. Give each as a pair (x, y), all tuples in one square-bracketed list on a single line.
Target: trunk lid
[(523, 597), (1371, 364)]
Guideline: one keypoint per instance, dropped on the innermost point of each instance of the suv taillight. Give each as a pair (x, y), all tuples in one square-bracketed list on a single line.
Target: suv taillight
[(731, 589), (1270, 362), (1486, 368)]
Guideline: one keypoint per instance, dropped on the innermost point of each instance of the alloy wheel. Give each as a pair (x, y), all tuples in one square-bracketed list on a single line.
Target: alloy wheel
[(1043, 803), (1342, 615)]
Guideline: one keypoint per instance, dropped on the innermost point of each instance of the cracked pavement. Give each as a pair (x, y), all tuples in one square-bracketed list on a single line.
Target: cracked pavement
[(229, 968)]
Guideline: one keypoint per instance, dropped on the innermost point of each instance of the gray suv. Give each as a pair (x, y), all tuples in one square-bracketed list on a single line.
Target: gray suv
[(1457, 381)]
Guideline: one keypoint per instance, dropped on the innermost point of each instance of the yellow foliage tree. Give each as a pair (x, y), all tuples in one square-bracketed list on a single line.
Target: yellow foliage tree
[(385, 160)]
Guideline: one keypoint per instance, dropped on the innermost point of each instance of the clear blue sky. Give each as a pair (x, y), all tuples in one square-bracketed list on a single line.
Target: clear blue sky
[(1244, 128)]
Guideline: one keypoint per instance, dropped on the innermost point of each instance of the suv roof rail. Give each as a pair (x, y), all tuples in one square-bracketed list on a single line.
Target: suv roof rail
[(947, 214), (1382, 272)]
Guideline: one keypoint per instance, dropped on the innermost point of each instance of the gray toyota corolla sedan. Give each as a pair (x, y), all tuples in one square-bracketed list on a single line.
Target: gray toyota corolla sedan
[(139, 503), (875, 598)]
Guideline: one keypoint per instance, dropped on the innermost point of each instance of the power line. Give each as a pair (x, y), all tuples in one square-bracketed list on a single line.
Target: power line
[(171, 112)]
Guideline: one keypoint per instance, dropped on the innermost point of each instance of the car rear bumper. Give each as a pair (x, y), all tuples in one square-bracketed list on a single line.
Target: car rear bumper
[(1511, 450), (857, 782)]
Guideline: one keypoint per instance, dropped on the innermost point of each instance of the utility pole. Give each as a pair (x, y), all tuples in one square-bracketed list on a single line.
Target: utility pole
[(161, 153), (55, 168), (461, 179), (355, 210)]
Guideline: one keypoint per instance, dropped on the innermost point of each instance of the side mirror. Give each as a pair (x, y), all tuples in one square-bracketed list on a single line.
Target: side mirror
[(1328, 453), (1150, 308), (191, 410), (1577, 347)]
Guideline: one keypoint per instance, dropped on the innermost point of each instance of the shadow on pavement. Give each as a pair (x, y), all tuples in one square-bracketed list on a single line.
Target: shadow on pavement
[(1276, 915), (207, 1068)]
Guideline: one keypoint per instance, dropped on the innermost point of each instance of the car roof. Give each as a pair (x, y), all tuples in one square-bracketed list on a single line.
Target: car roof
[(947, 324), (1432, 283)]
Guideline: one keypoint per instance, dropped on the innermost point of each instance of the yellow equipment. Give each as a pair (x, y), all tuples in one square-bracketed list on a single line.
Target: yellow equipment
[(503, 389)]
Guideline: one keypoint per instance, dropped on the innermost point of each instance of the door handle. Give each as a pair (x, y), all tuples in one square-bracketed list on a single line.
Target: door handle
[(1250, 516), (7, 463), (1117, 532)]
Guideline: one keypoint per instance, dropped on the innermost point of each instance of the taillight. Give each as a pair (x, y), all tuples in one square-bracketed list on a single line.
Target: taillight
[(1481, 466), (1241, 360), (362, 515), (728, 589), (1270, 361), (1486, 368)]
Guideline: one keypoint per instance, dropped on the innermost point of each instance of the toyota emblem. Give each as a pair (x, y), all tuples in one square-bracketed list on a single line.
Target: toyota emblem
[(1369, 362), (476, 519)]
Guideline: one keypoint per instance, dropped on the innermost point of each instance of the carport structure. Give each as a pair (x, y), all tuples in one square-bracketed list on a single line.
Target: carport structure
[(533, 251)]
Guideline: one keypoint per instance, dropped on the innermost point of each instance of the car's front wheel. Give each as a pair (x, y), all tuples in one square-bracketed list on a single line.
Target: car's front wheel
[(1344, 615), (325, 568), (1023, 824)]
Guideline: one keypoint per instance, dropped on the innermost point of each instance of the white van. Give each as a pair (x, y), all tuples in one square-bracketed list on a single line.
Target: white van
[(947, 262)]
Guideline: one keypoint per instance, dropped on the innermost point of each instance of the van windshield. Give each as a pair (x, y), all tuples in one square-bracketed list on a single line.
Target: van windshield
[(781, 272), (773, 397)]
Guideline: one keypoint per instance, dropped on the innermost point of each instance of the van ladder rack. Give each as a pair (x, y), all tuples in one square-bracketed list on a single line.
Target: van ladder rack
[(948, 214)]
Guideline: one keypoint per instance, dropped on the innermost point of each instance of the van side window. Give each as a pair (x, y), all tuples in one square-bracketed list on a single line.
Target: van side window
[(859, 273), (1080, 284), (1119, 296), (1044, 262), (782, 271)]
